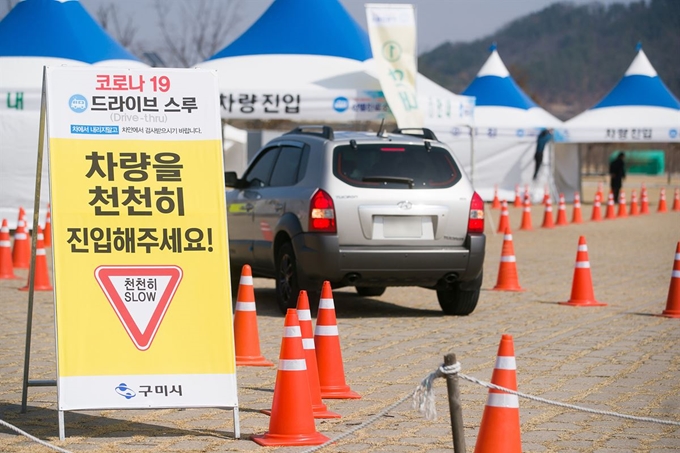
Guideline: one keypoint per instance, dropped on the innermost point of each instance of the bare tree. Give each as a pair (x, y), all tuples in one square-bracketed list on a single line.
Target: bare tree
[(199, 31), (123, 29)]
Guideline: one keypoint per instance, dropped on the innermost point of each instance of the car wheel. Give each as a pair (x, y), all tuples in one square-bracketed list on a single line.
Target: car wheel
[(287, 286), (462, 299), (370, 291)]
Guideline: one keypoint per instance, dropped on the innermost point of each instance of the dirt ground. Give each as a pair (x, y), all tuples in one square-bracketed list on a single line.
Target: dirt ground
[(621, 358)]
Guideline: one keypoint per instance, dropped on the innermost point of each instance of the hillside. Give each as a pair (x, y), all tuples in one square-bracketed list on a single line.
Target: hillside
[(568, 57)]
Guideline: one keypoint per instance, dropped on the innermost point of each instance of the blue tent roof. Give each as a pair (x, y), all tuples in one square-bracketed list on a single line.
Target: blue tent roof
[(640, 85), (60, 29), (302, 27), (493, 86)]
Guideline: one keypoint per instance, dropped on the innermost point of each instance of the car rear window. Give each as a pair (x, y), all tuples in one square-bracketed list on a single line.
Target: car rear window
[(395, 166)]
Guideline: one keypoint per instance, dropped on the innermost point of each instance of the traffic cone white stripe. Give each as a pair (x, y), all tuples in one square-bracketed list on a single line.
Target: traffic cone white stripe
[(246, 280), (675, 274), (507, 237), (292, 331), (582, 248), (505, 363), (245, 306), (40, 251), (293, 365), (677, 257), (5, 243), (326, 303), (508, 259), (304, 315), (20, 236), (308, 343), (326, 331), (503, 400), (582, 264)]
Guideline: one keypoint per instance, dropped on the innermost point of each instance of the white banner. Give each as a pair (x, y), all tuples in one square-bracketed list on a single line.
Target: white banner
[(302, 105), (392, 31)]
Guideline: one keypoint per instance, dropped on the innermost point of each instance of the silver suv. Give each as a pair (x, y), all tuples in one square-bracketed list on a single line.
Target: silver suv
[(358, 209)]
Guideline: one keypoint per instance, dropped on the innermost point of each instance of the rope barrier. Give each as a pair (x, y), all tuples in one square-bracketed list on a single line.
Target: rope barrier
[(33, 438), (425, 397), (424, 402)]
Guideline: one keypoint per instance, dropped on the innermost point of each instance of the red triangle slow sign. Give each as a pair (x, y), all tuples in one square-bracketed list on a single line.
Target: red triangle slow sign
[(140, 296)]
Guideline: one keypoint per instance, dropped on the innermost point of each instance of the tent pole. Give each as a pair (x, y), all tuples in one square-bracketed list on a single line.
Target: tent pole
[(472, 155)]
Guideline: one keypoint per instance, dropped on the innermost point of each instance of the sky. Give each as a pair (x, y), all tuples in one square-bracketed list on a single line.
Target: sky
[(438, 21)]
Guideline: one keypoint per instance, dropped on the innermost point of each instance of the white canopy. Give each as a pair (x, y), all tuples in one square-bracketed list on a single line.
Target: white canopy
[(638, 109), (319, 70), (507, 122), (37, 33)]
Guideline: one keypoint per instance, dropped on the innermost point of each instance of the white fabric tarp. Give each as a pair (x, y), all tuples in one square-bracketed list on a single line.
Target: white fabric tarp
[(507, 123)]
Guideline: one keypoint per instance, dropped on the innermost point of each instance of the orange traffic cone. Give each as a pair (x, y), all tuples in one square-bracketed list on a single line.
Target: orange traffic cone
[(47, 231), (562, 212), (6, 266), (676, 200), (644, 201), (662, 201), (305, 316), (546, 194), (41, 281), (504, 221), (328, 352), (21, 252), (634, 208), (622, 204), (576, 214), (526, 216), (548, 221), (496, 204), (518, 199), (507, 270), (673, 304), (582, 286), (246, 336), (611, 212), (292, 419), (600, 191), (499, 430), (597, 211)]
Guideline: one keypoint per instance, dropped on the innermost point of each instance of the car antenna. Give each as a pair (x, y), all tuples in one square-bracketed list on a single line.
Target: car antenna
[(381, 131)]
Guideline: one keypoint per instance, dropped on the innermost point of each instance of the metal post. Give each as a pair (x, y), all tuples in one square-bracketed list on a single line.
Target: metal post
[(34, 239), (455, 407)]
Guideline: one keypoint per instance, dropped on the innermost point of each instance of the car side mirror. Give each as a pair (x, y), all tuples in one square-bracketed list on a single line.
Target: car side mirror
[(230, 179)]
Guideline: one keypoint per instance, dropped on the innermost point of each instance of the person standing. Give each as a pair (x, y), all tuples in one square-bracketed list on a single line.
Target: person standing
[(543, 138), (617, 173)]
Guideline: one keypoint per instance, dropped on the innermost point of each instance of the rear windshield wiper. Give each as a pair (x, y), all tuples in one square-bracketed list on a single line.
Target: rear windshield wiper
[(394, 179)]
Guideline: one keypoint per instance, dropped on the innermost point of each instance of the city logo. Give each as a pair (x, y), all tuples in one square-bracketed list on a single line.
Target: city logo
[(77, 103), (673, 133), (340, 104), (124, 390)]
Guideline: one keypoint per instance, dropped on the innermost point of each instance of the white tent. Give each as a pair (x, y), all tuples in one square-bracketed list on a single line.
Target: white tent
[(320, 69), (507, 123), (638, 109), (37, 33)]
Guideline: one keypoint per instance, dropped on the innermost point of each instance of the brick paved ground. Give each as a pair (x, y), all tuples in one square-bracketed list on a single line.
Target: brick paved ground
[(618, 358)]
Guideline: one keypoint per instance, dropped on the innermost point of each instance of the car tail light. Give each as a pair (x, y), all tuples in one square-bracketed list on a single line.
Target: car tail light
[(322, 213), (476, 220)]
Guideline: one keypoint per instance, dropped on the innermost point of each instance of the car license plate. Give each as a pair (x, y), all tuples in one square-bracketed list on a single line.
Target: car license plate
[(402, 227)]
